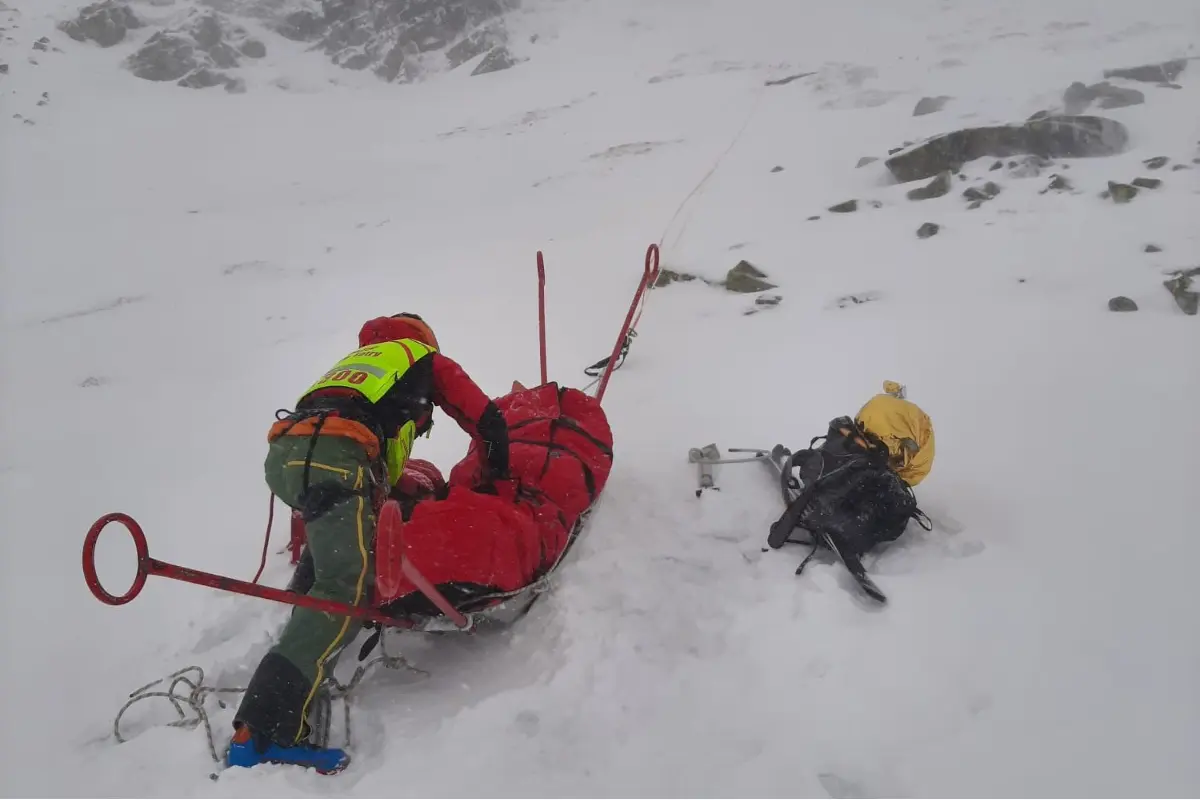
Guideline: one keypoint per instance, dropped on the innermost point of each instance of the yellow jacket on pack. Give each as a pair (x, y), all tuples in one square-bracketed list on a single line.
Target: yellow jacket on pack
[(904, 428)]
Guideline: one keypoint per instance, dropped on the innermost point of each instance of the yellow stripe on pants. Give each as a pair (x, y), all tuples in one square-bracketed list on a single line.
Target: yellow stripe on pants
[(358, 593)]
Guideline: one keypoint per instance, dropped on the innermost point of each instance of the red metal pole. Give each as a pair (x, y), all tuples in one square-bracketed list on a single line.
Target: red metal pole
[(152, 566), (649, 275), (541, 270), (297, 537)]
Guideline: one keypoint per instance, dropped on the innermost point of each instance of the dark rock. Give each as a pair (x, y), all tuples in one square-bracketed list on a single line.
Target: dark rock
[(104, 23), (935, 188), (982, 193), (203, 78), (776, 169), (391, 36), (42, 44), (862, 162), (996, 166), (668, 276), (253, 48), (813, 218), (745, 278), (930, 105), (845, 208), (1180, 288), (302, 26), (474, 45), (164, 57), (1057, 184), (769, 300), (1153, 248), (894, 150), (1158, 162), (974, 204), (1051, 137), (495, 61), (1165, 72), (1028, 166), (927, 230), (1121, 192), (1179, 168), (1122, 304), (857, 299), (789, 79), (1078, 97), (194, 52), (1147, 183)]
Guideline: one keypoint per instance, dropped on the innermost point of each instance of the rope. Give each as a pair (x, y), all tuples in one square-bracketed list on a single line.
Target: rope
[(602, 363), (712, 171), (196, 693), (194, 700), (262, 564)]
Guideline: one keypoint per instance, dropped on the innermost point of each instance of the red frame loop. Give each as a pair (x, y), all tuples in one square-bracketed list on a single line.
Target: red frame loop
[(89, 559)]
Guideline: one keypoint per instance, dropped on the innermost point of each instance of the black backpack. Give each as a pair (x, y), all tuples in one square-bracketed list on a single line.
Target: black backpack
[(845, 489)]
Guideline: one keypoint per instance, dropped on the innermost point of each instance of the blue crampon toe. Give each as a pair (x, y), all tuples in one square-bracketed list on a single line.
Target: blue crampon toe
[(244, 751)]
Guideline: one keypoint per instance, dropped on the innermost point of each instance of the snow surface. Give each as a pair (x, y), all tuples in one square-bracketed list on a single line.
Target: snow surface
[(178, 264)]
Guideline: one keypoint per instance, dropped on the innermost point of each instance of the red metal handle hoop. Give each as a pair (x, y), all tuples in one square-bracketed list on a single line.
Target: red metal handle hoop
[(651, 271), (89, 559)]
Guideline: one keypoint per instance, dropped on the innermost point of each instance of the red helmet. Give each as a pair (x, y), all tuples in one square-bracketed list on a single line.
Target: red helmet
[(398, 326)]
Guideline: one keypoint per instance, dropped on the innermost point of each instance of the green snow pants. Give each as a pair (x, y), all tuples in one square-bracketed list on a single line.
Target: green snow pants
[(340, 527)]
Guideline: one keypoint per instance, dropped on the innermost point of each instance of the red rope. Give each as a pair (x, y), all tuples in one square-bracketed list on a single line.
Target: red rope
[(266, 540)]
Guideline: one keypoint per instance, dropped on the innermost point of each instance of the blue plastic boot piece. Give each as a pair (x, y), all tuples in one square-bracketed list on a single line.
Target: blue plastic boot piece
[(245, 751)]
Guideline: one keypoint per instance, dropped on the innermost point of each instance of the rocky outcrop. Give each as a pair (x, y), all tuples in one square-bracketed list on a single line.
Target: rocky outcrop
[(1120, 192), (977, 194), (106, 23), (935, 188), (745, 278), (397, 38), (1166, 72), (1180, 288), (195, 53), (495, 61), (1078, 97), (1051, 136), (928, 229), (930, 105), (1122, 303)]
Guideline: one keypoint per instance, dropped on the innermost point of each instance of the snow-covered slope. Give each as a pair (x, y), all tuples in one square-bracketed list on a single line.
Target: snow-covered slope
[(178, 264)]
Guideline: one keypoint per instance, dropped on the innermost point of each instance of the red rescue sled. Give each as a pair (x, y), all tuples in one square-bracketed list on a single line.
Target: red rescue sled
[(464, 553)]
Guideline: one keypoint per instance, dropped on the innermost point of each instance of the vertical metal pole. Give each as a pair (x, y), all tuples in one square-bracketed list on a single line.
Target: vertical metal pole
[(541, 270)]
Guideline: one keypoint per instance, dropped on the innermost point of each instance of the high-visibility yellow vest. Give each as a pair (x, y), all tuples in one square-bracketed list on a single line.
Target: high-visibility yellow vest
[(372, 372)]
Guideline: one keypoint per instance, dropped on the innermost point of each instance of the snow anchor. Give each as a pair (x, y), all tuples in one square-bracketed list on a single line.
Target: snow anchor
[(706, 457)]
